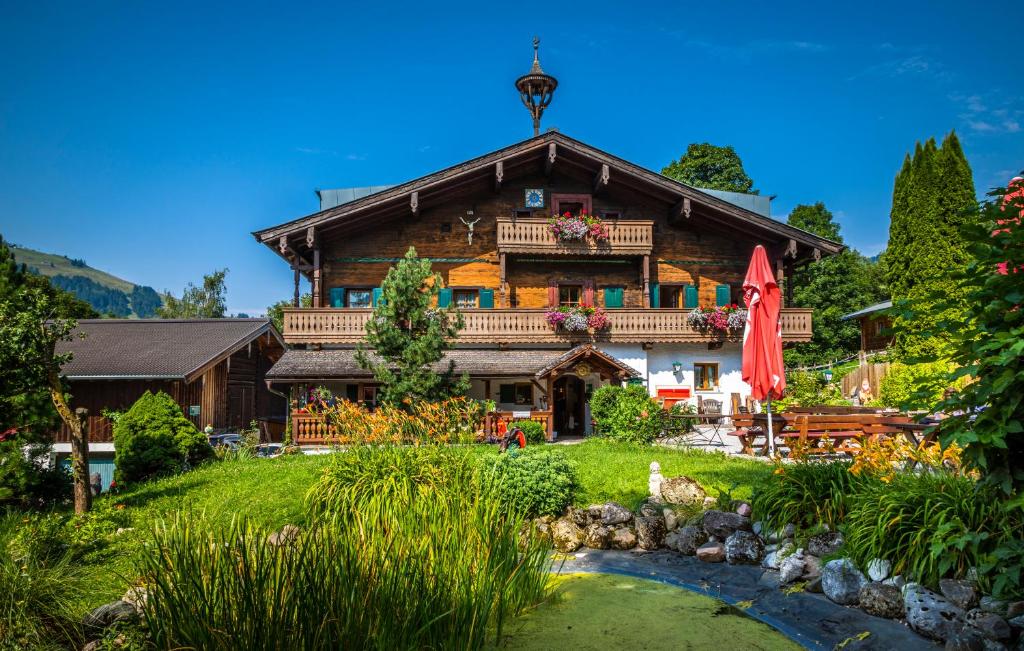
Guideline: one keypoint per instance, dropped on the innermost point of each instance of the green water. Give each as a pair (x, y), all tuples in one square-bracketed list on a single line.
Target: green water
[(608, 612)]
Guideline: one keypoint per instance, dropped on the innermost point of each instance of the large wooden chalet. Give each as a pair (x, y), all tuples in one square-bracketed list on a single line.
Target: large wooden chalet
[(671, 248)]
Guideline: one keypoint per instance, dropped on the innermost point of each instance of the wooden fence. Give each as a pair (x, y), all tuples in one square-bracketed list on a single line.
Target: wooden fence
[(872, 372)]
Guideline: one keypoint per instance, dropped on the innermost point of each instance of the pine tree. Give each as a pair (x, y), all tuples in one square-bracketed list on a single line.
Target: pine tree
[(932, 198), (408, 336)]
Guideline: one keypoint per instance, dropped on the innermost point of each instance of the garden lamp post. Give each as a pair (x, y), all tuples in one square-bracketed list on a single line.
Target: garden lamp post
[(827, 374), (536, 89)]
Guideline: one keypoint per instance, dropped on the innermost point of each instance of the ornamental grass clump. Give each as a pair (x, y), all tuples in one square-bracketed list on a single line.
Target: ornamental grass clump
[(405, 549)]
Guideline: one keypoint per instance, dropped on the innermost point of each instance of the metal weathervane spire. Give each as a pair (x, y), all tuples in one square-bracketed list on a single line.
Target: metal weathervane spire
[(536, 88)]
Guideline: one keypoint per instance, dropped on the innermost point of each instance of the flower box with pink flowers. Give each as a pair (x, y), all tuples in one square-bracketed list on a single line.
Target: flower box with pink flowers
[(577, 228), (724, 320), (579, 318)]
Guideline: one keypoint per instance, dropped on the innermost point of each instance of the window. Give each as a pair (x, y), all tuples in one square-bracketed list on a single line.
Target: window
[(359, 298), (369, 397), (572, 203), (672, 296), (705, 377), (520, 393), (570, 295), (610, 214), (879, 327), (466, 299)]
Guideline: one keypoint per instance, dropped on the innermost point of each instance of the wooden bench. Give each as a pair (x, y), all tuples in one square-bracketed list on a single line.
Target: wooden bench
[(816, 433)]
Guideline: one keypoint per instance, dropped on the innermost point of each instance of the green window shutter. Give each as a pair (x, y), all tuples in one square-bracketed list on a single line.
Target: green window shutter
[(655, 295), (337, 296), (444, 297), (377, 293), (690, 296), (723, 296), (612, 297), (486, 299), (507, 393)]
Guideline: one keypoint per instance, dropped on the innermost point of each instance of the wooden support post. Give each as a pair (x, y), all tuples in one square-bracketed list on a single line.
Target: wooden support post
[(602, 178), (680, 210), (499, 175), (551, 406), (414, 204), (790, 280), (549, 162), (295, 299), (502, 282), (316, 277), (80, 463), (646, 271)]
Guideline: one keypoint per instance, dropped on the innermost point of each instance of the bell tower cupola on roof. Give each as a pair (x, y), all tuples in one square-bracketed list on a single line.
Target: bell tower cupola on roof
[(536, 89)]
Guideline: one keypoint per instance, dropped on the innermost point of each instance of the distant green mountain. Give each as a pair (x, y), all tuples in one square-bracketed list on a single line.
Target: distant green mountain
[(107, 293)]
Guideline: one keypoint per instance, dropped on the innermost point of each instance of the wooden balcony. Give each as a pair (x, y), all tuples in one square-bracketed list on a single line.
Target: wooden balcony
[(312, 429), (346, 326), (532, 235)]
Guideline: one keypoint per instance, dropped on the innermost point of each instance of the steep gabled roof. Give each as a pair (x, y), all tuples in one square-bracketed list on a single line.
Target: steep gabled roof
[(553, 148), (871, 309), (157, 349)]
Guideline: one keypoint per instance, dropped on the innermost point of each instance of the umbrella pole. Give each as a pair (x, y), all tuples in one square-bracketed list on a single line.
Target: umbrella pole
[(771, 436)]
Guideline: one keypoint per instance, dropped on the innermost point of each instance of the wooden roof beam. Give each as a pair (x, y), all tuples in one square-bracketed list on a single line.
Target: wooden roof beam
[(549, 162), (681, 209), (499, 175), (414, 203), (601, 179)]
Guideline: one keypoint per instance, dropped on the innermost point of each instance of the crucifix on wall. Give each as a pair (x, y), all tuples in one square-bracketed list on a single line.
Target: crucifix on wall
[(470, 225)]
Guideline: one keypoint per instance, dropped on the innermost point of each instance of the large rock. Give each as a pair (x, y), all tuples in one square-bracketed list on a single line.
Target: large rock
[(878, 569), (542, 529), (110, 614), (930, 614), (650, 510), (824, 544), (566, 535), (1014, 609), (723, 524), (966, 640), (989, 625), (774, 555), (623, 538), (712, 552), (812, 567), (744, 509), (286, 536), (959, 592), (650, 531), (137, 596), (671, 519), (579, 517), (995, 606), (744, 548), (688, 539), (792, 567), (841, 581), (597, 536), (613, 513), (682, 490), (881, 600)]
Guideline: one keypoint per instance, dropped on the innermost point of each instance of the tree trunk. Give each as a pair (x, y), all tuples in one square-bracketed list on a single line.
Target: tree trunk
[(77, 423)]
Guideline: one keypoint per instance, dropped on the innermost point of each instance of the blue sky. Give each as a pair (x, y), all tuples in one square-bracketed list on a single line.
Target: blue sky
[(151, 138)]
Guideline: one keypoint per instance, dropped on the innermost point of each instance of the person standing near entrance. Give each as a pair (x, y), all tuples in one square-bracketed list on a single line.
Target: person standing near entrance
[(863, 394)]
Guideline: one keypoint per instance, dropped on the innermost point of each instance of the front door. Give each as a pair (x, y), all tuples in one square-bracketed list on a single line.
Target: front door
[(570, 395)]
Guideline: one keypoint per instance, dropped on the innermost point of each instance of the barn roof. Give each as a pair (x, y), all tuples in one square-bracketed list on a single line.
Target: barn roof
[(152, 349)]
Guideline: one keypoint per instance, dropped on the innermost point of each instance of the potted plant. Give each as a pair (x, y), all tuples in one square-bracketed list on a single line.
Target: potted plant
[(576, 228), (577, 318), (725, 319)]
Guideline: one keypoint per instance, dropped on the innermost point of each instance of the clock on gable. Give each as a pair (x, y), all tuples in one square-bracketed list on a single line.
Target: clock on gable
[(534, 198)]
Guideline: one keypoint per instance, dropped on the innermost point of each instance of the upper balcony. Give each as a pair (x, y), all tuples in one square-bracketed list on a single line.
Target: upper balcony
[(529, 326), (532, 235)]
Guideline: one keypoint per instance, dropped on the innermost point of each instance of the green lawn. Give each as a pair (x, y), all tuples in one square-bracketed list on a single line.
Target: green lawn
[(271, 492)]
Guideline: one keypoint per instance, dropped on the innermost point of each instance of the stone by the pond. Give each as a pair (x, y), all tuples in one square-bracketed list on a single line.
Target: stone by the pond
[(597, 536), (878, 569), (579, 517), (689, 538), (109, 614), (682, 490), (881, 600), (722, 524), (959, 592), (813, 584), (897, 581), (812, 566), (758, 527), (774, 555), (136, 596), (1014, 608), (824, 544), (841, 581), (285, 536), (782, 534), (671, 519), (930, 614), (995, 606), (650, 531), (965, 640), (614, 513), (623, 538), (990, 625), (1016, 622), (743, 547), (566, 535), (711, 552), (650, 510), (792, 567), (542, 529), (744, 510)]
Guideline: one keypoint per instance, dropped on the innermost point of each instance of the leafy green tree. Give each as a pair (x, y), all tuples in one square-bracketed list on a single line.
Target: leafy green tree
[(834, 286), (153, 438), (708, 166), (933, 197), (275, 312), (206, 302), (408, 337)]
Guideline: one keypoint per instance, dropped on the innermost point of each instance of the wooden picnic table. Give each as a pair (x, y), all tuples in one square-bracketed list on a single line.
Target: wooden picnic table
[(715, 420), (846, 429)]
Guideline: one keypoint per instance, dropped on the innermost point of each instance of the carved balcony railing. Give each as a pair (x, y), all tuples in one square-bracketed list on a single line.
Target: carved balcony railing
[(529, 326), (532, 235)]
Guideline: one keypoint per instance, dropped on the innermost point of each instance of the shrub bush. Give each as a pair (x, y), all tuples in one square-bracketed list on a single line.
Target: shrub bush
[(627, 413), (807, 494), (534, 431), (537, 482), (25, 482), (154, 438), (915, 386), (806, 388)]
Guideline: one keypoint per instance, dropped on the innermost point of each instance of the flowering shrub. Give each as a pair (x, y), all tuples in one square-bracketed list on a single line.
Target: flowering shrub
[(724, 319), (574, 228), (454, 420), (577, 318)]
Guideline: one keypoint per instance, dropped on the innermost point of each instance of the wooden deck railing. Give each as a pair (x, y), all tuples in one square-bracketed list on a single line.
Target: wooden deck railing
[(101, 430), (347, 326), (531, 235), (310, 429)]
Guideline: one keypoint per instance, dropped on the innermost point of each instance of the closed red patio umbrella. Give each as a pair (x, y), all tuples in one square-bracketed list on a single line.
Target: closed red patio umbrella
[(762, 337)]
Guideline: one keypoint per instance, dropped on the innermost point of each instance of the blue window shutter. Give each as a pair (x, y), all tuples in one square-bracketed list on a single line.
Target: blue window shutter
[(691, 297), (337, 295), (655, 295), (486, 299), (377, 293), (612, 297), (722, 295), (444, 297)]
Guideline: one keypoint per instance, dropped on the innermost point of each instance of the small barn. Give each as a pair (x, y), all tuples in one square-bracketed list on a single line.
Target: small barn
[(214, 369)]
